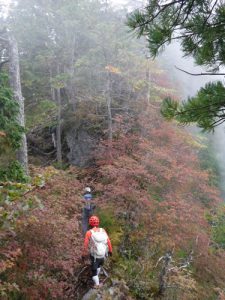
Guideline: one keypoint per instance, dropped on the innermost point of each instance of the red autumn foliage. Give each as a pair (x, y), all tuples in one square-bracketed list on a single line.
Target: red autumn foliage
[(156, 175), (50, 240), (150, 174)]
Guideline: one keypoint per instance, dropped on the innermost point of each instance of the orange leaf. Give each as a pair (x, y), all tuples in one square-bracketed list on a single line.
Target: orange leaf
[(112, 69)]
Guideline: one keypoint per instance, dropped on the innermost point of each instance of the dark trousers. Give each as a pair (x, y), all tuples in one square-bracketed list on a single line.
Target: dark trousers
[(95, 264), (87, 213)]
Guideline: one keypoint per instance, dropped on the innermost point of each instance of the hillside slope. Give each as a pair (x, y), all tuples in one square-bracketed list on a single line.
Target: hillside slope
[(93, 98), (157, 205)]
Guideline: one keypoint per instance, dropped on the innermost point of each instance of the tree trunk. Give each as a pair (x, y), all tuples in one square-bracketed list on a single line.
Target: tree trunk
[(58, 128), (109, 101), (15, 84), (72, 86)]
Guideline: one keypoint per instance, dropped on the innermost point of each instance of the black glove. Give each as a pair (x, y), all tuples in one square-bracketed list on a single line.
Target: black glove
[(110, 253)]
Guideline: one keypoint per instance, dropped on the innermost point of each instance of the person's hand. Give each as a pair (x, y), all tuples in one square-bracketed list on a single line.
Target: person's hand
[(110, 253)]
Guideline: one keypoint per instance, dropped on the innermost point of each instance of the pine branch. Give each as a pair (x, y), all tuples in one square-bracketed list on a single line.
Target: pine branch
[(218, 122), (161, 9), (199, 74), (172, 39), (210, 13), (178, 15), (200, 110), (188, 12)]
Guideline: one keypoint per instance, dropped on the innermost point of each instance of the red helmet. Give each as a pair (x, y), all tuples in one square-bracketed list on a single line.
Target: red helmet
[(94, 221)]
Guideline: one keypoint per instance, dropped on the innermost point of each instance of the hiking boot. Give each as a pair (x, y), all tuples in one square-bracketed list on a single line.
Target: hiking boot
[(96, 287)]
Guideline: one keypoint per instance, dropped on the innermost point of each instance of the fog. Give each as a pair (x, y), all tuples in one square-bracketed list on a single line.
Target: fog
[(172, 57)]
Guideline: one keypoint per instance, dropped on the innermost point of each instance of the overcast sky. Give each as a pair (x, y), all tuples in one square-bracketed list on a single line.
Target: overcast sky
[(119, 2), (115, 2)]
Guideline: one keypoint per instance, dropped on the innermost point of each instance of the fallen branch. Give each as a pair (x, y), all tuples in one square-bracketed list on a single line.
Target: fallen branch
[(166, 259)]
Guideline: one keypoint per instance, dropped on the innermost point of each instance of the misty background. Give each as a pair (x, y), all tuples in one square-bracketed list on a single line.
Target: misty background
[(188, 85), (171, 58)]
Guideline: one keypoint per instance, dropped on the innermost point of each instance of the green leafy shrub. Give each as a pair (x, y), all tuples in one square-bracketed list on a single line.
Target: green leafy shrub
[(13, 172), (10, 129)]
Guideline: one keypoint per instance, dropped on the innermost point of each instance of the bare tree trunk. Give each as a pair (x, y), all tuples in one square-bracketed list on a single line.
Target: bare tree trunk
[(69, 68), (72, 87), (107, 94), (109, 101), (164, 272), (15, 84), (58, 128), (51, 87), (53, 96)]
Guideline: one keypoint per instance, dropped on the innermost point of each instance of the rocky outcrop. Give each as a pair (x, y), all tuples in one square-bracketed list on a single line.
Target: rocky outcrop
[(118, 290), (79, 140), (40, 146), (81, 145)]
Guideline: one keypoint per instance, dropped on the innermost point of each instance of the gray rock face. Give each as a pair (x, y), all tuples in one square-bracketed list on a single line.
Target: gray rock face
[(81, 145), (91, 295), (117, 291)]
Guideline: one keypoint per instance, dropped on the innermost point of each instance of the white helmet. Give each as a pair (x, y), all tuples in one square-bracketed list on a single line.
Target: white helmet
[(87, 189)]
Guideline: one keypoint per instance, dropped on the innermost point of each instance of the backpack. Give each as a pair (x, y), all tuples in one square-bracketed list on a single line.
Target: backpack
[(99, 245)]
